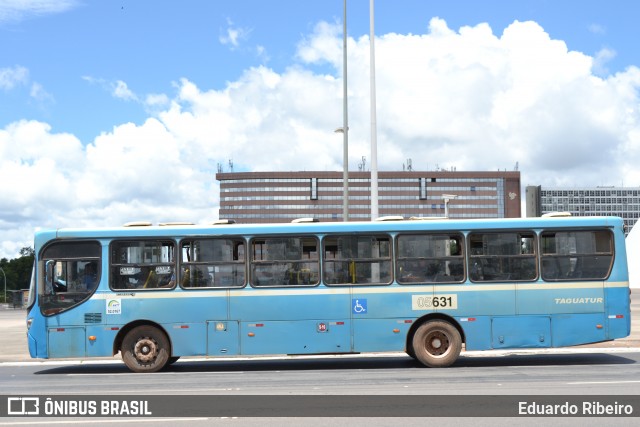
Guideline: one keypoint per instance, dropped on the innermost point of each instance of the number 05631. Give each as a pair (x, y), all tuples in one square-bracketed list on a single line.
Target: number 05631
[(434, 302)]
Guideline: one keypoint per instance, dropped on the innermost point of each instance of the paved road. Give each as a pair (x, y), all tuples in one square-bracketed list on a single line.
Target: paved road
[(542, 372)]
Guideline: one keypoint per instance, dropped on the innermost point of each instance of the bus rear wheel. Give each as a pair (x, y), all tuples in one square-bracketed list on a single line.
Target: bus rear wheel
[(437, 344), (145, 349)]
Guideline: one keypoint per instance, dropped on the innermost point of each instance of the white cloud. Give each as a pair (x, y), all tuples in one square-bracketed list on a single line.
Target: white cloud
[(122, 91), (118, 89), (156, 100), (470, 99), (39, 94), (597, 29), (603, 56), (232, 35), (12, 77), (16, 10)]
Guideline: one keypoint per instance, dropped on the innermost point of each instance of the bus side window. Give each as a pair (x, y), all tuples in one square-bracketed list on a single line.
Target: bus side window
[(576, 255), (212, 262), (429, 258), (357, 259), (289, 261), (506, 256), (142, 264)]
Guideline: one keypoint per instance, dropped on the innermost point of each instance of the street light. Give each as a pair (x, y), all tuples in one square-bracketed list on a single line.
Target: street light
[(345, 174), (446, 198), (374, 137), (345, 120), (5, 285)]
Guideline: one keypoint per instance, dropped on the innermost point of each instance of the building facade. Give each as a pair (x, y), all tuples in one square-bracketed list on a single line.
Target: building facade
[(262, 197), (586, 201)]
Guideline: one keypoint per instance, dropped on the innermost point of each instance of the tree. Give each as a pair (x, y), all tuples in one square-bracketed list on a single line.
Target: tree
[(18, 270), (27, 252)]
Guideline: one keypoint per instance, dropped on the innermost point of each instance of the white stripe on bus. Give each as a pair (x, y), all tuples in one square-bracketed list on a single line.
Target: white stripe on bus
[(348, 290)]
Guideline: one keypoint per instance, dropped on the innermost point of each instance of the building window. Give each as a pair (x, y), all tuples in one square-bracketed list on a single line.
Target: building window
[(423, 188), (314, 188)]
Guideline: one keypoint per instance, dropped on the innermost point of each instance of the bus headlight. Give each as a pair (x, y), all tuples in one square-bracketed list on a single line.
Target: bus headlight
[(29, 322)]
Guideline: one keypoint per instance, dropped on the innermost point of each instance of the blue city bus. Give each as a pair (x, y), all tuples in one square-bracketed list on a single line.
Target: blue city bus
[(424, 287)]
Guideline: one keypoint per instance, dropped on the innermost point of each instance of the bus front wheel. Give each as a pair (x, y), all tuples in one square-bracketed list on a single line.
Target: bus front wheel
[(145, 349), (437, 344)]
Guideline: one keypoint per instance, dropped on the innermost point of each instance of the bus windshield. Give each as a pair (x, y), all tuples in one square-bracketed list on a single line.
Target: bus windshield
[(71, 274)]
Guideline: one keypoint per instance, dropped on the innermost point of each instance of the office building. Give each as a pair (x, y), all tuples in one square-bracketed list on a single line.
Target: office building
[(261, 197), (586, 201)]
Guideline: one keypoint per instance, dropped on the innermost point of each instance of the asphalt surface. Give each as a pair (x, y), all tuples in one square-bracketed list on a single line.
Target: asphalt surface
[(13, 337)]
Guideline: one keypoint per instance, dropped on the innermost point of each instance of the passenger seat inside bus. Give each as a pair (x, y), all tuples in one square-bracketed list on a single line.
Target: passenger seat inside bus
[(152, 280)]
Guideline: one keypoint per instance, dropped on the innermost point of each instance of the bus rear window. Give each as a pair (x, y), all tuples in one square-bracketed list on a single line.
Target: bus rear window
[(570, 255)]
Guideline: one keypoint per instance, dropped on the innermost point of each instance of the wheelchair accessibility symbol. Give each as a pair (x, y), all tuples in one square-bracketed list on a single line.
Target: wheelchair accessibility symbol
[(359, 306)]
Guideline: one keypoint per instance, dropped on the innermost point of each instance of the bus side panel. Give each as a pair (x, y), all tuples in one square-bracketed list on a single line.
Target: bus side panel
[(283, 304), (102, 346), (576, 329), (521, 332), (560, 298), (66, 342), (187, 339), (474, 299), (477, 332), (37, 334), (618, 312), (223, 338), (66, 334), (379, 334), (292, 321), (170, 306), (301, 337)]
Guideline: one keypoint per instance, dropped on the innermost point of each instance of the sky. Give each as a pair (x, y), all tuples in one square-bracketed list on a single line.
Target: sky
[(116, 111)]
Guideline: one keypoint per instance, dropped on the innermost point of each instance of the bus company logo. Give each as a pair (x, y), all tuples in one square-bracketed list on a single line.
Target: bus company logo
[(588, 300), (23, 406), (114, 306)]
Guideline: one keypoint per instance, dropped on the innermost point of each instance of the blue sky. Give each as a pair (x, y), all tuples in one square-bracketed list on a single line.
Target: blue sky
[(114, 111), (77, 54)]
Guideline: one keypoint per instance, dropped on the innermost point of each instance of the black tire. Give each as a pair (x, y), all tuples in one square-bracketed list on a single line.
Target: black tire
[(145, 349), (437, 344), (410, 352), (172, 360)]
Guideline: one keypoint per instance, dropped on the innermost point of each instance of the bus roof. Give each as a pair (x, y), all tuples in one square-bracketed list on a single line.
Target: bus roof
[(183, 230)]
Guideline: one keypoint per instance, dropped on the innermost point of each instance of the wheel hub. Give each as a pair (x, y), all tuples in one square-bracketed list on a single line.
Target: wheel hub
[(146, 350), (437, 344)]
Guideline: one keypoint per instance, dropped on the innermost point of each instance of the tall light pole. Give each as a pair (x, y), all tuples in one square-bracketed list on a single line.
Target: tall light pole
[(345, 121), (5, 284), (374, 138)]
